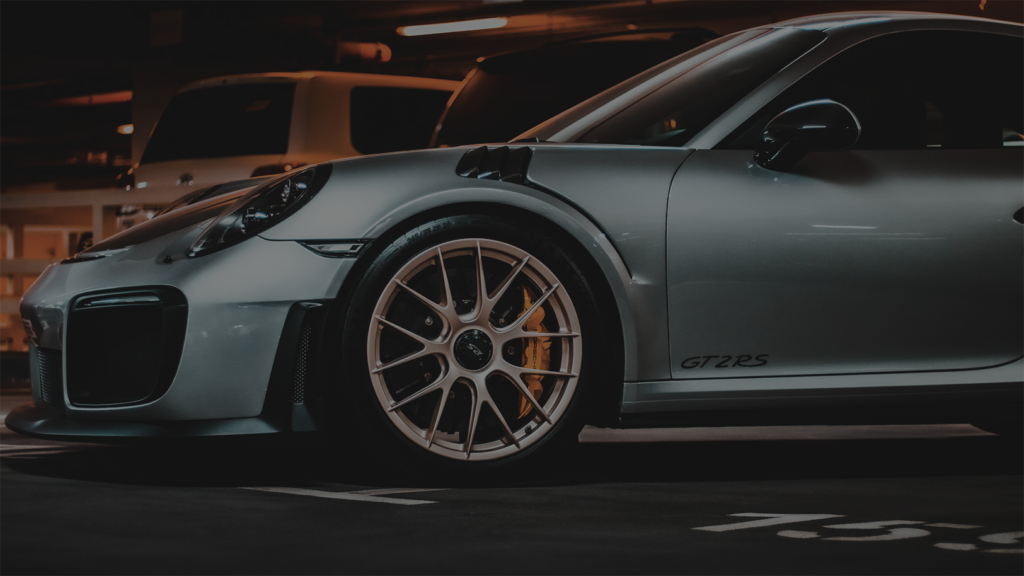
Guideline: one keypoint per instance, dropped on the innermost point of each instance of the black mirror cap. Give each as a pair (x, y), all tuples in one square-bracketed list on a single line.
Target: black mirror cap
[(814, 126)]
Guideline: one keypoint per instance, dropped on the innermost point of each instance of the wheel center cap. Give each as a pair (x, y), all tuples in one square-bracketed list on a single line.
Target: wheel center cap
[(473, 350)]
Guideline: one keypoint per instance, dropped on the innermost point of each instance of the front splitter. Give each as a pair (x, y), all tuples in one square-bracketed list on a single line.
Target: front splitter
[(53, 424)]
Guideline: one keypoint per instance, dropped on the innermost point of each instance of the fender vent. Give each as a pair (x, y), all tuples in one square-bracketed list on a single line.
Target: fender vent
[(496, 163), (301, 378), (307, 362), (51, 376)]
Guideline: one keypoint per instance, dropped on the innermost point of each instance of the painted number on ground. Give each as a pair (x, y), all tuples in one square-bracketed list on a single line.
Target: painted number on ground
[(881, 531)]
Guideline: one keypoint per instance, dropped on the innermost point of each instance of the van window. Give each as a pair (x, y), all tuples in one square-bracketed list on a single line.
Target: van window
[(386, 119), (237, 120)]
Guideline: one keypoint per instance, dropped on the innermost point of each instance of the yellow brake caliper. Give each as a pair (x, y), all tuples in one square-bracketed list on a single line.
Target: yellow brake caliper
[(536, 353)]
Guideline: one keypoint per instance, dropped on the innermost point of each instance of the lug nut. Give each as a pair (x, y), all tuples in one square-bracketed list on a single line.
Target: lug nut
[(429, 321)]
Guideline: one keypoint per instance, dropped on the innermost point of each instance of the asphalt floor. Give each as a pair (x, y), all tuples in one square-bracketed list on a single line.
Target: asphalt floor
[(787, 500)]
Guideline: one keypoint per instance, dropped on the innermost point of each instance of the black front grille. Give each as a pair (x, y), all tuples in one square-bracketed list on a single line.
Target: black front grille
[(124, 348), (51, 376)]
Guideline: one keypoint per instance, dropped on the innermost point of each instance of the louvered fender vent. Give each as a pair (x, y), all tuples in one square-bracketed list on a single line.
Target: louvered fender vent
[(496, 163)]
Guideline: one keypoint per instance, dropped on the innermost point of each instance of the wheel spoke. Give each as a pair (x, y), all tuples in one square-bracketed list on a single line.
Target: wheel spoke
[(474, 418), (448, 302), (532, 371), (505, 285), (440, 383), (440, 310), (436, 420), (408, 333), (503, 337), (549, 335), (521, 386), (481, 283), (518, 322), (504, 424), (426, 351)]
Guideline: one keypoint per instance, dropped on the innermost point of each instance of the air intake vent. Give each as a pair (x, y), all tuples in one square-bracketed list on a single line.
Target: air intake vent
[(307, 369), (123, 348), (302, 358), (51, 376), (497, 163)]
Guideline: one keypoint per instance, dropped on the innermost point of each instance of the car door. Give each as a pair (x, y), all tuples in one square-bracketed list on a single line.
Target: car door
[(901, 254)]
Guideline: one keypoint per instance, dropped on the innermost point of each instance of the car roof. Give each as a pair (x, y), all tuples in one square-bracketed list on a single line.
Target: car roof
[(834, 20)]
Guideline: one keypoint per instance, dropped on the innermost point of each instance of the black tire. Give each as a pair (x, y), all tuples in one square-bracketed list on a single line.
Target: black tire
[(355, 410)]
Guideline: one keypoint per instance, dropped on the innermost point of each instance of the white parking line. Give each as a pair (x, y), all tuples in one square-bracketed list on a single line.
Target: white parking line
[(946, 525), (954, 546), (385, 491), (341, 495)]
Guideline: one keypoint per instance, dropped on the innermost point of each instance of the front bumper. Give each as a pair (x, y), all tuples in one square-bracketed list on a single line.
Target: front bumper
[(246, 306)]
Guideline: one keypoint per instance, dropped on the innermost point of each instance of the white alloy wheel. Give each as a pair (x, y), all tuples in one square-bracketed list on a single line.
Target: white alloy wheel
[(474, 349)]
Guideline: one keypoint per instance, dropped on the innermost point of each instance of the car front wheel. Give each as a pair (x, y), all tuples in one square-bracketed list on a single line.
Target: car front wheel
[(468, 344)]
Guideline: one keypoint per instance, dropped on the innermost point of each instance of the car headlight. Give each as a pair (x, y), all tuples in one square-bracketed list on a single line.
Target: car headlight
[(260, 209)]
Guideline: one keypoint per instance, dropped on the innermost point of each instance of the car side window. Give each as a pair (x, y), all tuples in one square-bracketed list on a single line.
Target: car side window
[(920, 89)]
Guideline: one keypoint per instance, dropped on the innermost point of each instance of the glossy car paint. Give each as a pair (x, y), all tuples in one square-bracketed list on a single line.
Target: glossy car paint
[(703, 251)]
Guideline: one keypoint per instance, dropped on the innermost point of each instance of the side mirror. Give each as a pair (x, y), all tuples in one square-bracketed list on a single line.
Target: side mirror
[(815, 126)]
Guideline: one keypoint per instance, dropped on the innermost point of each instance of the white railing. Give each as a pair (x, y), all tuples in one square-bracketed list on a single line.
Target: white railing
[(96, 199)]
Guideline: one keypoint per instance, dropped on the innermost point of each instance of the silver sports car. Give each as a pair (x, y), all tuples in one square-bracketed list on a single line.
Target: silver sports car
[(817, 221)]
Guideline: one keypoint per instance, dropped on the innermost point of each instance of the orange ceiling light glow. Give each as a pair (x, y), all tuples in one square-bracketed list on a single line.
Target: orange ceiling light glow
[(448, 27), (94, 99)]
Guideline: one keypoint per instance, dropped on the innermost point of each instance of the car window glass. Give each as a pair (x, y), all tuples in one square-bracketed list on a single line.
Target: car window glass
[(504, 89), (674, 113), (552, 129), (384, 119), (919, 89), (236, 120)]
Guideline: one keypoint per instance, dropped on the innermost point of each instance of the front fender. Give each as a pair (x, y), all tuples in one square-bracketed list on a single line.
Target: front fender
[(370, 196)]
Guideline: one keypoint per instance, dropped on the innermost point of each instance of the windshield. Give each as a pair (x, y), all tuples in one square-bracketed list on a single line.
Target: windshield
[(236, 120), (669, 104), (516, 91)]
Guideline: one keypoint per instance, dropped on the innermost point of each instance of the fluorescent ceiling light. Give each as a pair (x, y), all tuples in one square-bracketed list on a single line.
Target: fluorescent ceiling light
[(466, 26)]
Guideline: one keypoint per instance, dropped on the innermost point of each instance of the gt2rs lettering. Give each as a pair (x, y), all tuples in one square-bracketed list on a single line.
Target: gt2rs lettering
[(742, 361)]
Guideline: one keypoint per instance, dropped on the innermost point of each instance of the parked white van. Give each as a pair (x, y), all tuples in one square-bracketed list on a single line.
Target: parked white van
[(235, 127)]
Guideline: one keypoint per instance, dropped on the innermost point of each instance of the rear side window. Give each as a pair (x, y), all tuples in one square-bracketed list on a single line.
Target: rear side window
[(394, 119), (237, 120)]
